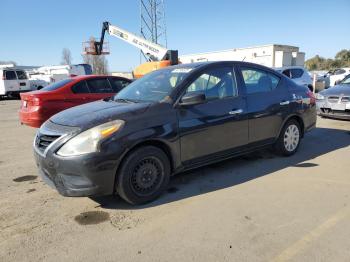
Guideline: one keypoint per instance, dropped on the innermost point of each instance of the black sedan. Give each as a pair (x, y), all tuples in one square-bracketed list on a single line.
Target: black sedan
[(334, 102), (171, 120)]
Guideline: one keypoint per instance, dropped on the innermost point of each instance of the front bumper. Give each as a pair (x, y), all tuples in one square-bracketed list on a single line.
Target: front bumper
[(333, 110), (85, 175), (77, 176)]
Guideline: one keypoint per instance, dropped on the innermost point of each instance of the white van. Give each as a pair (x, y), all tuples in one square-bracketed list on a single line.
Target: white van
[(13, 81)]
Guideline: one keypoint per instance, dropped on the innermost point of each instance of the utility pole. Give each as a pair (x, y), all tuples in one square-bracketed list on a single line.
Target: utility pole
[(153, 26)]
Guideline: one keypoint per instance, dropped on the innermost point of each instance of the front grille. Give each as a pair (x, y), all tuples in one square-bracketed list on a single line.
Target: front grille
[(333, 99), (335, 112), (50, 132), (43, 141), (345, 99)]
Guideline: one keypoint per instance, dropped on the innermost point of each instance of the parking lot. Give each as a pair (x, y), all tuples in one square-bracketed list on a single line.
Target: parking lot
[(258, 207)]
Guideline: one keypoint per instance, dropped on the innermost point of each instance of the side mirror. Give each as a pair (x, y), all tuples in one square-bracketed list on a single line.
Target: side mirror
[(192, 99)]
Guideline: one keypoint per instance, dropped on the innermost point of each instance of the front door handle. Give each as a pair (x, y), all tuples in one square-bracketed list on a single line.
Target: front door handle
[(236, 112), (283, 103)]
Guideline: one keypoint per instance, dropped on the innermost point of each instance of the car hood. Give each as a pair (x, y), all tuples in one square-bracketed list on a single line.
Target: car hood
[(337, 90), (96, 113)]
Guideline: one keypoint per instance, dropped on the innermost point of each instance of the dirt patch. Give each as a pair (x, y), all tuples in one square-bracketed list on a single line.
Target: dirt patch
[(306, 165), (124, 221), (24, 178), (92, 217)]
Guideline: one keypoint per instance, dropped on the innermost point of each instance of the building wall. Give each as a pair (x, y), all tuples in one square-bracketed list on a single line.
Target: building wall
[(267, 55)]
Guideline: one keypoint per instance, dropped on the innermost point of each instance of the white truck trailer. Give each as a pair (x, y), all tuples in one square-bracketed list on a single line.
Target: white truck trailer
[(45, 75), (273, 55)]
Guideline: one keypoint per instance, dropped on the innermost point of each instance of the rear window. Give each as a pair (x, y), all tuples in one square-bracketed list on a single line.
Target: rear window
[(57, 85), (296, 73), (80, 88), (21, 75), (10, 75)]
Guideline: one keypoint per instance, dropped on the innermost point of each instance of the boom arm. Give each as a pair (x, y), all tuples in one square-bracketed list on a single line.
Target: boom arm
[(154, 51)]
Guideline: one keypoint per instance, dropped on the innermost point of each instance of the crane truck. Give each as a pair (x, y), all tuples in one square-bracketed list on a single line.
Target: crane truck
[(157, 55)]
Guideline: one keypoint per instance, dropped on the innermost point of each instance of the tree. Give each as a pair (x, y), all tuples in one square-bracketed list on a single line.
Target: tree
[(66, 57), (98, 63), (342, 59), (343, 55)]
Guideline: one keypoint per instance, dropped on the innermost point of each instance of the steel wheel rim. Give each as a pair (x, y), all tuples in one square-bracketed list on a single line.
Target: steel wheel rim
[(291, 138), (147, 176)]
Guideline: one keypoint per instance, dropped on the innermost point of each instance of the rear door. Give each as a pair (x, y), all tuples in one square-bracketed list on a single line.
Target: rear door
[(10, 82), (268, 103), (81, 94), (217, 126), (99, 88), (23, 81)]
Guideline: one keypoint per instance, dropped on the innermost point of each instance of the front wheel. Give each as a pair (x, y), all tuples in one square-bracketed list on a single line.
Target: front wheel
[(289, 140), (144, 175)]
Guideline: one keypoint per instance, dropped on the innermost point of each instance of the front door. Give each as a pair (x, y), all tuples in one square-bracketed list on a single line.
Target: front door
[(218, 125)]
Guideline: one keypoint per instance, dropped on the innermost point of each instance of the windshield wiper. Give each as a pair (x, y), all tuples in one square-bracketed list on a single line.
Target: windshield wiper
[(124, 100)]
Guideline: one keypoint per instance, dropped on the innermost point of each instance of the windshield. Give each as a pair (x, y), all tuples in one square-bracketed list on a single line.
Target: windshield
[(57, 85), (346, 80), (153, 87)]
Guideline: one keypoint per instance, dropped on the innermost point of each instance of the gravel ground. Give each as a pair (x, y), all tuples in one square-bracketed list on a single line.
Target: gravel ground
[(254, 208)]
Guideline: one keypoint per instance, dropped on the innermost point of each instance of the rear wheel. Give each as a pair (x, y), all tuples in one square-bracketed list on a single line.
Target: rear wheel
[(288, 142), (144, 175)]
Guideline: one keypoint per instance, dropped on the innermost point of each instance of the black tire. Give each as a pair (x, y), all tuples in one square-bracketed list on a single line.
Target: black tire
[(288, 148), (143, 176), (39, 87)]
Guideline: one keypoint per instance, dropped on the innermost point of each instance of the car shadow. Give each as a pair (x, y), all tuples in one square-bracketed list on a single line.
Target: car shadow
[(239, 170)]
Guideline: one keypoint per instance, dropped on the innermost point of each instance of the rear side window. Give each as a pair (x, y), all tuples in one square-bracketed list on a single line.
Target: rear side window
[(21, 75), (118, 84), (339, 71), (57, 85), (10, 75), (257, 80), (80, 88), (296, 73), (99, 85), (287, 72)]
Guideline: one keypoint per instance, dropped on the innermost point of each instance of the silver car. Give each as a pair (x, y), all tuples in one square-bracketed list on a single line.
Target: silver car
[(335, 101)]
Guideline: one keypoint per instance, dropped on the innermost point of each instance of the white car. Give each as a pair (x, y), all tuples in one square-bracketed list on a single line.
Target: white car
[(13, 81), (338, 75), (298, 74)]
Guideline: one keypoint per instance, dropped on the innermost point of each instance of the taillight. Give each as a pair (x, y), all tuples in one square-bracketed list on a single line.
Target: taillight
[(36, 101), (312, 97)]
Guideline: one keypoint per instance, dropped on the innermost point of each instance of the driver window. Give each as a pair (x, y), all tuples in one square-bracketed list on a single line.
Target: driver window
[(215, 84)]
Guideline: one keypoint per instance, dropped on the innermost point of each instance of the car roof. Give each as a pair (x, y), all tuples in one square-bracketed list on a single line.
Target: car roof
[(289, 67), (198, 65), (82, 77)]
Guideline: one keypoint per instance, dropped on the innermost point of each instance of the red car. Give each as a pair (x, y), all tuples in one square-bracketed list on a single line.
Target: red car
[(38, 106)]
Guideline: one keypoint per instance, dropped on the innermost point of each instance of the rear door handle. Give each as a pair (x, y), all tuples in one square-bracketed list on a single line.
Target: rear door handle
[(283, 103), (236, 112)]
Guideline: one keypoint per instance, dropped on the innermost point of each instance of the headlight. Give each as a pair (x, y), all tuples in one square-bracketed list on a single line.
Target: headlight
[(319, 96), (89, 140)]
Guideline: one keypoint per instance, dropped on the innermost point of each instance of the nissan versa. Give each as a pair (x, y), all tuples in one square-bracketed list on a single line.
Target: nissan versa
[(171, 120)]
